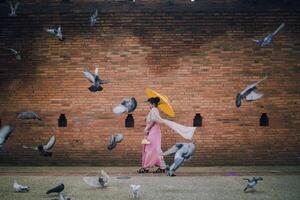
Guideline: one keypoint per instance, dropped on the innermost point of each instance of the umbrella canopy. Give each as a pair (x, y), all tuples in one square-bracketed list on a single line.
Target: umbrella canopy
[(164, 104)]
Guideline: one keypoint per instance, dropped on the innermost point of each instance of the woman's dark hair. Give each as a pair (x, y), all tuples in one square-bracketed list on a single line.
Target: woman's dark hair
[(154, 101)]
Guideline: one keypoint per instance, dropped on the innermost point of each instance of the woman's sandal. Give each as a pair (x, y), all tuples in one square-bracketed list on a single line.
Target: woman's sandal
[(159, 170), (142, 171)]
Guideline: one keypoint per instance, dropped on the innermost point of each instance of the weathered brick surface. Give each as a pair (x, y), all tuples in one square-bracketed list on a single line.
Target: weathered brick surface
[(199, 58)]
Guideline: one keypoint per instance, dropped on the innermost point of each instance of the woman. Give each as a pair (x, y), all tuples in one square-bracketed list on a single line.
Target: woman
[(152, 151)]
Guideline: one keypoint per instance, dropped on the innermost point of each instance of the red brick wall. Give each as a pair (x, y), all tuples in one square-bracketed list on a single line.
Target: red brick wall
[(199, 58)]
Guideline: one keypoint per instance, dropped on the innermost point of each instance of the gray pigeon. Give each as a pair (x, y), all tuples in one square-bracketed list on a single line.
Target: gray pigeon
[(15, 53), (268, 39), (62, 197), (28, 115), (44, 149), (126, 105), (94, 79), (93, 18), (5, 132), (20, 188), (57, 32), (98, 181), (135, 191), (252, 183), (13, 9), (250, 93), (114, 139)]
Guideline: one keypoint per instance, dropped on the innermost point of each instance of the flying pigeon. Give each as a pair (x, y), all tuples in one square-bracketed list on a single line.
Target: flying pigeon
[(98, 181), (15, 53), (20, 188), (44, 149), (93, 18), (135, 190), (268, 39), (57, 189), (28, 115), (252, 183), (94, 79), (5, 132), (250, 93), (114, 139), (13, 9), (56, 32), (126, 105), (62, 197)]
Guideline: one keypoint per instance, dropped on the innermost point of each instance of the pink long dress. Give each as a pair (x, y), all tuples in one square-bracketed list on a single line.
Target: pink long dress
[(152, 152)]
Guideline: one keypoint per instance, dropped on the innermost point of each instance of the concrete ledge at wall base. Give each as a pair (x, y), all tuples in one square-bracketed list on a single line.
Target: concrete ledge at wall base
[(131, 171)]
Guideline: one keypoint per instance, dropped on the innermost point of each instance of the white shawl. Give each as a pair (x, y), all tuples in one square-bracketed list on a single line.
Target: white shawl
[(185, 131)]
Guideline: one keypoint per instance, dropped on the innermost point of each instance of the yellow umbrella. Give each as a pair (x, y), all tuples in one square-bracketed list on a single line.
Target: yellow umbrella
[(164, 104)]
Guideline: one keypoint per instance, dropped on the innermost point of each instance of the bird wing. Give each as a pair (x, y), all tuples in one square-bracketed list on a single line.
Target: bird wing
[(104, 81), (95, 13), (254, 95), (92, 181), (5, 131), (119, 137), (50, 143), (13, 51), (253, 85), (246, 179), (17, 5), (50, 30), (89, 75), (11, 6), (171, 150), (278, 29)]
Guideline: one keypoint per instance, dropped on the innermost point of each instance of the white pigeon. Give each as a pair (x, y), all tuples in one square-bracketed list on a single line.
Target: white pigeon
[(250, 93), (20, 188), (93, 18), (98, 181), (57, 32), (135, 191), (13, 9), (15, 53)]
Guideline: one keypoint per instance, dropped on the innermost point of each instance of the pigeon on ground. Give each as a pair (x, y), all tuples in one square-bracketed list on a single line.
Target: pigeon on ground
[(183, 152), (44, 149), (15, 53), (114, 139), (58, 189), (250, 93), (135, 191), (268, 39), (56, 32), (13, 9), (5, 132), (29, 115), (93, 18), (127, 105), (62, 197), (20, 188), (98, 181), (94, 79), (252, 183)]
